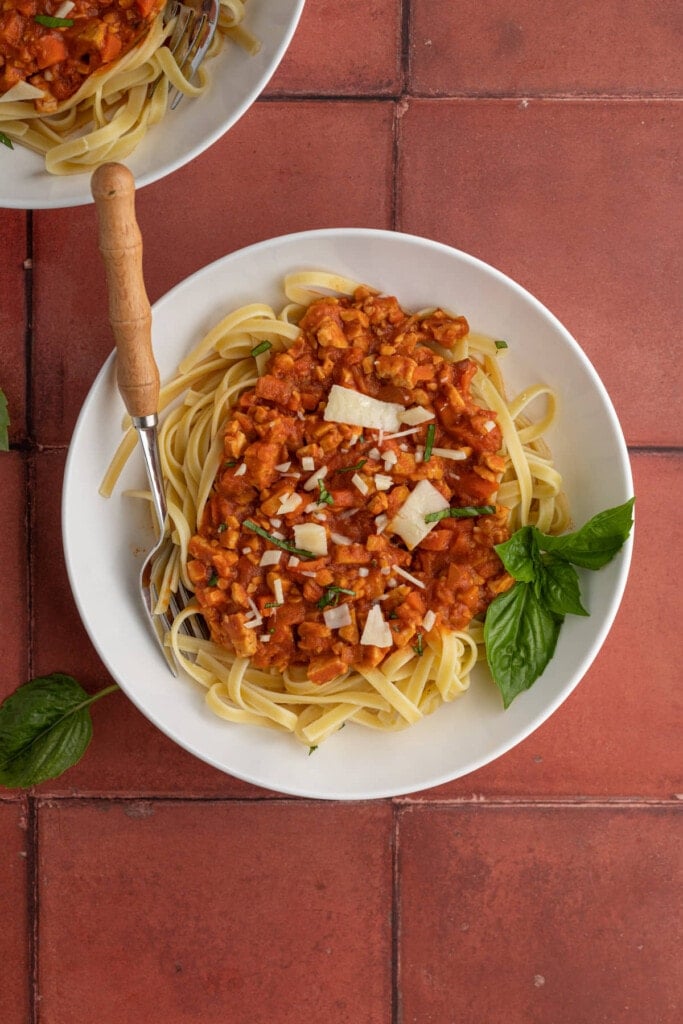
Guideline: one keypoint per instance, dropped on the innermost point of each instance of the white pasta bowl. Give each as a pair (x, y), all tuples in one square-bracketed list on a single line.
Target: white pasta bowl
[(237, 79), (105, 539)]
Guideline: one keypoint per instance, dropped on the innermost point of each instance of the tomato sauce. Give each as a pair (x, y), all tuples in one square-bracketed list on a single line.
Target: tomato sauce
[(58, 58), (361, 478)]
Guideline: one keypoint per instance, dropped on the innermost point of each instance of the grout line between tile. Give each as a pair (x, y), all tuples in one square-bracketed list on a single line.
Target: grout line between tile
[(32, 909), (400, 802)]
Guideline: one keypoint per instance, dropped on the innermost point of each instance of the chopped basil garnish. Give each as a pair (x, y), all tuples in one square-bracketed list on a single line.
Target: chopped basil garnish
[(429, 444), (213, 580), (259, 349), (222, 527), (418, 646), (465, 512), (324, 496), (331, 596), (499, 343), (352, 469), (229, 463), (49, 22), (255, 528), (6, 141)]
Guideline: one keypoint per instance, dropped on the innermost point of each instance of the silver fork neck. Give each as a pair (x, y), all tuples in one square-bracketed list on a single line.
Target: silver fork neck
[(146, 427)]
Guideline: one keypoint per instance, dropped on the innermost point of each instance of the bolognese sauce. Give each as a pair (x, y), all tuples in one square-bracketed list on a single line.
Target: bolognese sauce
[(56, 46), (289, 466)]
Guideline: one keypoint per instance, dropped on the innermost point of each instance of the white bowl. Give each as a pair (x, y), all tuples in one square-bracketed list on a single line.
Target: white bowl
[(103, 539), (237, 79)]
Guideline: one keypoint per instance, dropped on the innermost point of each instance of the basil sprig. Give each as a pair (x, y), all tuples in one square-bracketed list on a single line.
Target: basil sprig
[(522, 625), (4, 423), (45, 728)]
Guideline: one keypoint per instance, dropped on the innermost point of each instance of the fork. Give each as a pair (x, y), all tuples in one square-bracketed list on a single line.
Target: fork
[(191, 37), (130, 316)]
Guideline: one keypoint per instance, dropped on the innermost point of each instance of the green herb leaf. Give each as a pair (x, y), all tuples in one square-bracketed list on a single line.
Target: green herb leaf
[(520, 554), (520, 634), (499, 343), (45, 728), (263, 347), (255, 528), (49, 22), (465, 512), (331, 596), (6, 141), (352, 469), (429, 444), (324, 496), (559, 589), (222, 527), (596, 543), (311, 749), (4, 423), (418, 646), (213, 580)]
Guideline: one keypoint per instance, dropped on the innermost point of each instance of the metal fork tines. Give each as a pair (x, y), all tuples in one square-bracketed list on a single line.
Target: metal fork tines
[(162, 606), (196, 22)]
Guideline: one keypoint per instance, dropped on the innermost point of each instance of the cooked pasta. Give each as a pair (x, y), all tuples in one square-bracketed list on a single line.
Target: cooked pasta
[(339, 472), (85, 88)]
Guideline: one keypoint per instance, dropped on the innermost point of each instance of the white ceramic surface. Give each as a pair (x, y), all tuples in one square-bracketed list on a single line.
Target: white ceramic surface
[(237, 79), (104, 539)]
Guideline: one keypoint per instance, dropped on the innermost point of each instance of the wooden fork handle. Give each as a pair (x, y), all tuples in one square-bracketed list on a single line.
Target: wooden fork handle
[(120, 242)]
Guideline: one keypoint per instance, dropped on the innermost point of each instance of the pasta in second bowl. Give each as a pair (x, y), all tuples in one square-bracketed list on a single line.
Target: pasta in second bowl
[(356, 762), (153, 148)]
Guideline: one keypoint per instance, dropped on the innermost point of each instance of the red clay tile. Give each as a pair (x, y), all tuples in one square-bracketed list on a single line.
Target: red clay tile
[(12, 318), (575, 201), (127, 753), (259, 912), (511, 48), (618, 734), (343, 50), (13, 516), (519, 915), (231, 206), (14, 957)]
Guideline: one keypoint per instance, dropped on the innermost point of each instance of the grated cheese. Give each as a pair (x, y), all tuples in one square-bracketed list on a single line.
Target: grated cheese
[(402, 433), (312, 481), (241, 470), (278, 592), (376, 632), (283, 467), (308, 463), (339, 538), (347, 406), (409, 577), (337, 618), (289, 503), (450, 453), (360, 483), (271, 557), (416, 414), (382, 482), (429, 620)]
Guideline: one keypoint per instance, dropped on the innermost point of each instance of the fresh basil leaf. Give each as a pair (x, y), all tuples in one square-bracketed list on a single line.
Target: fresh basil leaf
[(520, 635), (520, 555), (6, 141), (50, 22), (597, 542), (558, 588), (45, 728), (4, 423)]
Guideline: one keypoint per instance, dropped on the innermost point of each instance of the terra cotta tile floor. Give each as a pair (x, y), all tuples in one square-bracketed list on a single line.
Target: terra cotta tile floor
[(144, 886)]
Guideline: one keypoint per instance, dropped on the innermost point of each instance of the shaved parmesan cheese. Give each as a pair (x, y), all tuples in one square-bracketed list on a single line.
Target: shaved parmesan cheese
[(289, 503), (277, 523), (293, 562), (390, 458), (489, 425), (336, 618), (363, 571), (429, 620), (264, 638), (312, 481), (339, 538), (450, 453), (241, 470), (64, 9), (409, 577), (376, 632), (374, 453), (347, 406), (381, 522), (278, 592), (312, 537), (283, 467), (360, 483), (402, 433), (271, 557), (382, 482), (416, 415), (308, 464), (20, 92), (409, 521), (246, 551)]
